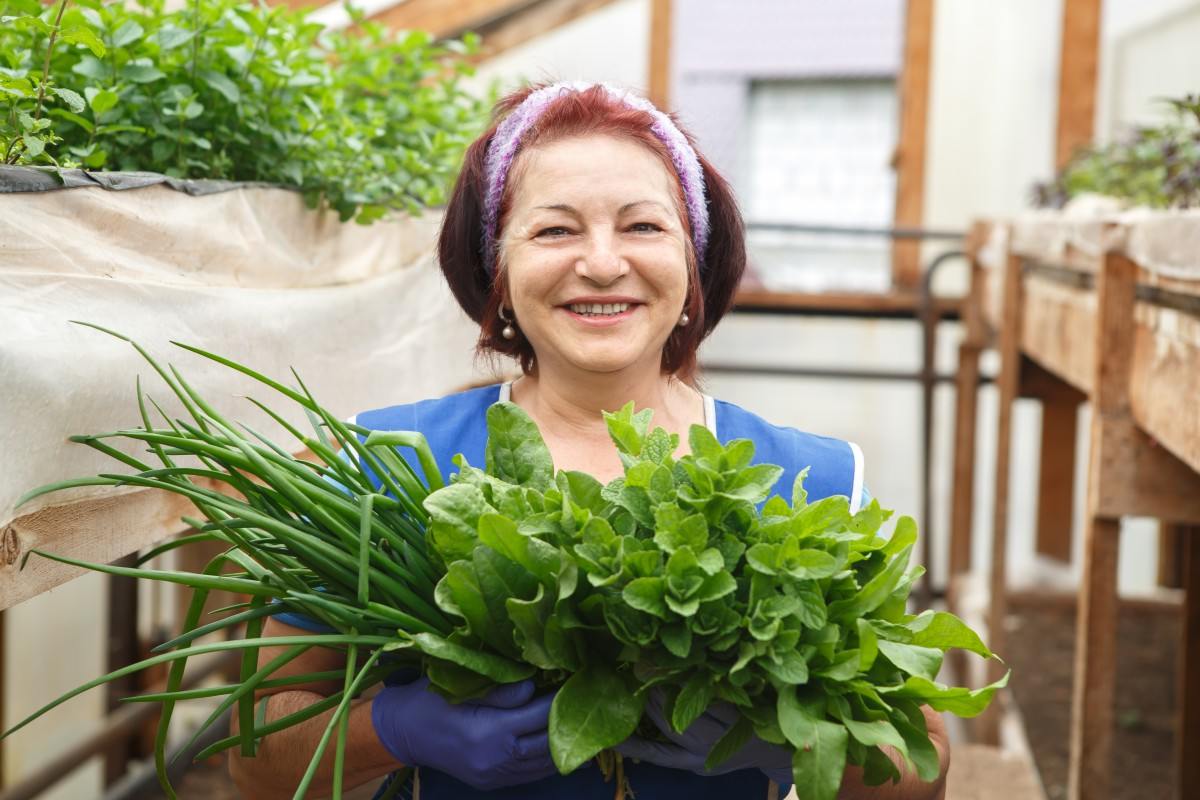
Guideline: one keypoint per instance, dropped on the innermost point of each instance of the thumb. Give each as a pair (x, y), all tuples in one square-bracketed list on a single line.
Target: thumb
[(508, 695)]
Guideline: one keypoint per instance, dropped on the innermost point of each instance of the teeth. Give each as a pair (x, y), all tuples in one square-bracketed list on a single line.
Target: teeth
[(598, 309)]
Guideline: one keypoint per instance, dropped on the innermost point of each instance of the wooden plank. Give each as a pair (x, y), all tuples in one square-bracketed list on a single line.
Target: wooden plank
[(98, 531), (446, 18), (1056, 478), (1094, 683), (531, 21), (658, 82), (1095, 639), (1140, 477), (910, 148), (1165, 381), (1056, 329), (1187, 738), (1171, 556), (1078, 64), (900, 303), (1008, 383)]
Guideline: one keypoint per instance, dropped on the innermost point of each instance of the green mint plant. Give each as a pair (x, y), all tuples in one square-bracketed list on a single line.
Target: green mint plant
[(1154, 166), (29, 92), (364, 120)]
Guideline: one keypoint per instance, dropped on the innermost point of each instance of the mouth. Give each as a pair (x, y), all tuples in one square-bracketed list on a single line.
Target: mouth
[(599, 309)]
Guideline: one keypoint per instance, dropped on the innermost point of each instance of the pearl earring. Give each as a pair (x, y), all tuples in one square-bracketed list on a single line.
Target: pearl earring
[(508, 332), (684, 319)]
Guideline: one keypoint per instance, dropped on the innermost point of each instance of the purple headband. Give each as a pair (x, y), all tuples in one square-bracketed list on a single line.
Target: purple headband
[(507, 141)]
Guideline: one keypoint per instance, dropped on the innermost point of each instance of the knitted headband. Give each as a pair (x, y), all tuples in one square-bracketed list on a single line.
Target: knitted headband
[(507, 141)]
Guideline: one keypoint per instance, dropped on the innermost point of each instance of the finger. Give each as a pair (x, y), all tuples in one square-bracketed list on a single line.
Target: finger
[(533, 747), (664, 755), (532, 717), (508, 695)]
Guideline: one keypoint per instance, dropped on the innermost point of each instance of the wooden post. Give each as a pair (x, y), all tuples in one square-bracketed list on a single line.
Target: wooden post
[(910, 149), (1056, 474), (1008, 383), (1172, 538), (1078, 62), (1096, 625), (658, 82), (1187, 738), (966, 387)]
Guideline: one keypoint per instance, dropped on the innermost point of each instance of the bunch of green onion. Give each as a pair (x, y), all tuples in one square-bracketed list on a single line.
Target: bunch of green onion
[(340, 540)]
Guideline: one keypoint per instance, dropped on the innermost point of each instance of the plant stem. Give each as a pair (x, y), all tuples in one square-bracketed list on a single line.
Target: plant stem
[(46, 66)]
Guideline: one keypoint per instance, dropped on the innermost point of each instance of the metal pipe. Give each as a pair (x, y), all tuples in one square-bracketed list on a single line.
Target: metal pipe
[(891, 233), (929, 324), (123, 722), (815, 372)]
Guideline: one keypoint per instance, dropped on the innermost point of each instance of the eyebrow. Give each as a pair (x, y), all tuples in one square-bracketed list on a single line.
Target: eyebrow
[(566, 208)]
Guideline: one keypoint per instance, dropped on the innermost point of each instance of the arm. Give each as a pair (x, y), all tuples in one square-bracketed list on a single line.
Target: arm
[(283, 757)]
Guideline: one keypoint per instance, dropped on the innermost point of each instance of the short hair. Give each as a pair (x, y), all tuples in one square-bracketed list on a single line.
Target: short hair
[(593, 111)]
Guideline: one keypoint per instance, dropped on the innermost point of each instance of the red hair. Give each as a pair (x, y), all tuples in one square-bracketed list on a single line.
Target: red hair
[(711, 284)]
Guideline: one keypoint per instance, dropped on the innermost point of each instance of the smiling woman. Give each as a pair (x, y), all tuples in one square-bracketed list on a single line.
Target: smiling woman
[(593, 244)]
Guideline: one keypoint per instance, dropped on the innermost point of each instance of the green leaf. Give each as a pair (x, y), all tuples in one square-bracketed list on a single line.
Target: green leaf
[(72, 99), (128, 33), (140, 73), (490, 665), (695, 696), (955, 699), (648, 595), (923, 662), (594, 710), (221, 84), (33, 145), (820, 757), (515, 450), (945, 630)]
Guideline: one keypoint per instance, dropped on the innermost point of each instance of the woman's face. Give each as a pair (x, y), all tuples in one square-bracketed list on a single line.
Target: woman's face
[(595, 253)]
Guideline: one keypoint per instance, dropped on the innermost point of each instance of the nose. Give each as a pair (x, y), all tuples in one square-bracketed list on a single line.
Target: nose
[(602, 263)]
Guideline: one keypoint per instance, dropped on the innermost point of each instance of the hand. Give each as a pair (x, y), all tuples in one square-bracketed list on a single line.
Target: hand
[(500, 739), (688, 750)]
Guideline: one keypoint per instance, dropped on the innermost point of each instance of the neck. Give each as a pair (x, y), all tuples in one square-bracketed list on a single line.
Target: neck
[(569, 412)]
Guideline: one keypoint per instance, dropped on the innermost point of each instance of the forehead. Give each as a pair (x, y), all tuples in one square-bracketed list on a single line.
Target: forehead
[(579, 162)]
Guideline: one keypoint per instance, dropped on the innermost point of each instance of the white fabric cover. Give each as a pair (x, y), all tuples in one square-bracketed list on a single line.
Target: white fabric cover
[(361, 313)]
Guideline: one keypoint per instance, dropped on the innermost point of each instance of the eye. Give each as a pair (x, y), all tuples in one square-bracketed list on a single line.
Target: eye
[(553, 231), (645, 227)]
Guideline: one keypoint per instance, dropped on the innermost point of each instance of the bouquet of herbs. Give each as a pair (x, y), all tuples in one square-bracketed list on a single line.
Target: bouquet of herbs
[(685, 577)]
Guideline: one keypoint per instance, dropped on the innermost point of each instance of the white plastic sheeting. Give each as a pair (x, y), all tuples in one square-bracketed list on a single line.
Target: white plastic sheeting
[(361, 313)]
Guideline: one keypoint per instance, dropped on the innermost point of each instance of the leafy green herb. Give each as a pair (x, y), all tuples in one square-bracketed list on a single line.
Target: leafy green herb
[(363, 120), (1154, 166), (674, 577)]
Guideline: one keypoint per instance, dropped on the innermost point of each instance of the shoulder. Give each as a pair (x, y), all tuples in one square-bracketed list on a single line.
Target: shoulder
[(835, 466), (456, 423)]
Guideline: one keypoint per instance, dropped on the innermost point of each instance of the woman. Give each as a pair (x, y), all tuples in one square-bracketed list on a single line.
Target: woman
[(595, 246)]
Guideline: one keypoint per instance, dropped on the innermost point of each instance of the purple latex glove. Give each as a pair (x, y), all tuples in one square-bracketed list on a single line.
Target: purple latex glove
[(500, 739), (688, 750)]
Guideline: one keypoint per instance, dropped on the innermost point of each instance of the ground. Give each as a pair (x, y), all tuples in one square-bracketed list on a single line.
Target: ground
[(1040, 647)]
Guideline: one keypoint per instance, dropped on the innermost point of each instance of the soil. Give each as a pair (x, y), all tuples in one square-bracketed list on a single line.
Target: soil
[(1040, 650)]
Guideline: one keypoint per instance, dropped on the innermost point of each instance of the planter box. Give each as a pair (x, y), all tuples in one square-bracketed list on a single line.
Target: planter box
[(361, 313)]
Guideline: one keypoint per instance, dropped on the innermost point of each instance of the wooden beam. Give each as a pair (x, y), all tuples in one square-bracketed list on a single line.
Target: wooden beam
[(910, 148), (531, 21), (447, 18), (658, 82), (1008, 383), (1187, 737), (1056, 465), (1078, 63), (1094, 684), (966, 387), (1172, 538)]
